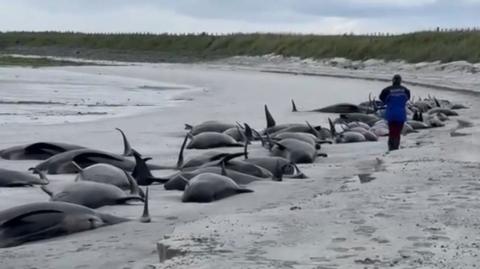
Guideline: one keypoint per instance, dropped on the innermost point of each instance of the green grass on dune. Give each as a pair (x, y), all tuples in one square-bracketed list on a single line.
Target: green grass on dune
[(414, 47)]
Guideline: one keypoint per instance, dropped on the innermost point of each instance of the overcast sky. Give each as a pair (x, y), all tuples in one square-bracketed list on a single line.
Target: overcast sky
[(225, 16)]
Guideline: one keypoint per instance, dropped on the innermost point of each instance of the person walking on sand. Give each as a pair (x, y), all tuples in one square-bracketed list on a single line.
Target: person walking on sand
[(395, 97)]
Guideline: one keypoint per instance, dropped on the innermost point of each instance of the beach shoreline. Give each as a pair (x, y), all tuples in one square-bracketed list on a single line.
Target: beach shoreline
[(413, 214)]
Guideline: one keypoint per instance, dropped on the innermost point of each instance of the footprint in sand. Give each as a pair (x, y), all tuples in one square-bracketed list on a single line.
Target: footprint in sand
[(381, 240), (422, 244), (358, 222), (365, 230), (383, 215), (339, 249), (339, 240)]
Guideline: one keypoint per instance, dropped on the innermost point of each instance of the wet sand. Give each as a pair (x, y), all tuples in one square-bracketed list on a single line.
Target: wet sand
[(417, 208)]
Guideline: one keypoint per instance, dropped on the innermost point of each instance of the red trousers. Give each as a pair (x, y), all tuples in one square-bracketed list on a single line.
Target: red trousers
[(395, 130)]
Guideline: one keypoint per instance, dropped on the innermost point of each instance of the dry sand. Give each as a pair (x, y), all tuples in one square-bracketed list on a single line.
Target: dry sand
[(420, 209)]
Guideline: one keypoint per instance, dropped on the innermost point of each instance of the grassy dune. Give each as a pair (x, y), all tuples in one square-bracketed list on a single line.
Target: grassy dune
[(415, 47)]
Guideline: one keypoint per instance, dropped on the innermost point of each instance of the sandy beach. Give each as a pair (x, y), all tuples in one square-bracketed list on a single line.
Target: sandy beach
[(419, 207)]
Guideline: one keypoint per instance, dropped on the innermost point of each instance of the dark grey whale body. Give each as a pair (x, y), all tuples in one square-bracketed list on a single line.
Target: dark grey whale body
[(38, 221), (36, 151)]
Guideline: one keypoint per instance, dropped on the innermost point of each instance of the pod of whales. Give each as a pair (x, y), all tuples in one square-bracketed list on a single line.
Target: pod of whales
[(104, 178)]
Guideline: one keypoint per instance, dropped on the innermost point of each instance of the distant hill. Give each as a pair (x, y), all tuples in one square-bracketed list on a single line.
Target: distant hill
[(414, 47)]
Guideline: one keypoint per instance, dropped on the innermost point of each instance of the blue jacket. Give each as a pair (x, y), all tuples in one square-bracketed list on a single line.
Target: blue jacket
[(395, 97)]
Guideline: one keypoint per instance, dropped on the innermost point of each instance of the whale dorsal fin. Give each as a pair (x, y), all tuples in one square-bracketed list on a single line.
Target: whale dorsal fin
[(294, 106), (127, 149), (332, 128), (270, 120), (248, 132)]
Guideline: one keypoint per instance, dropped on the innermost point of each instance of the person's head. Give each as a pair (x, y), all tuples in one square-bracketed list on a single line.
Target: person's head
[(397, 80)]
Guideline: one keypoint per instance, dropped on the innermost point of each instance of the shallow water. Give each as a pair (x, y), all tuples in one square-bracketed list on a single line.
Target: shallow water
[(309, 92), (50, 96)]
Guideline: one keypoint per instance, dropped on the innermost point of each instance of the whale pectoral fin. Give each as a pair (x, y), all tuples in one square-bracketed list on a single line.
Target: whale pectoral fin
[(314, 131), (127, 199), (279, 171), (230, 156), (134, 189), (47, 190), (145, 218), (180, 159), (78, 167), (279, 145), (158, 180), (141, 172), (243, 190), (332, 127)]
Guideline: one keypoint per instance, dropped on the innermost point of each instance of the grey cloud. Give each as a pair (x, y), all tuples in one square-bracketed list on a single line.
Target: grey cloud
[(247, 15)]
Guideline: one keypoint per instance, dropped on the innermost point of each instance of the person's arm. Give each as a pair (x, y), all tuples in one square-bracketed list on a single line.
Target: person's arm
[(408, 93), (384, 95)]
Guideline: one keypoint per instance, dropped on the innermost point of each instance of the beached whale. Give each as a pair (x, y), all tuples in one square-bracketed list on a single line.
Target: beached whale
[(351, 135), (179, 180), (36, 151), (208, 140), (336, 108), (209, 126), (369, 119), (295, 151), (10, 178), (62, 162), (109, 174), (445, 111), (273, 129), (91, 194), (209, 187), (37, 221)]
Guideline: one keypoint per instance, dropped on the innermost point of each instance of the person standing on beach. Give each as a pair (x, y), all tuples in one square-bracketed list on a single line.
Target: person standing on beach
[(395, 97)]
